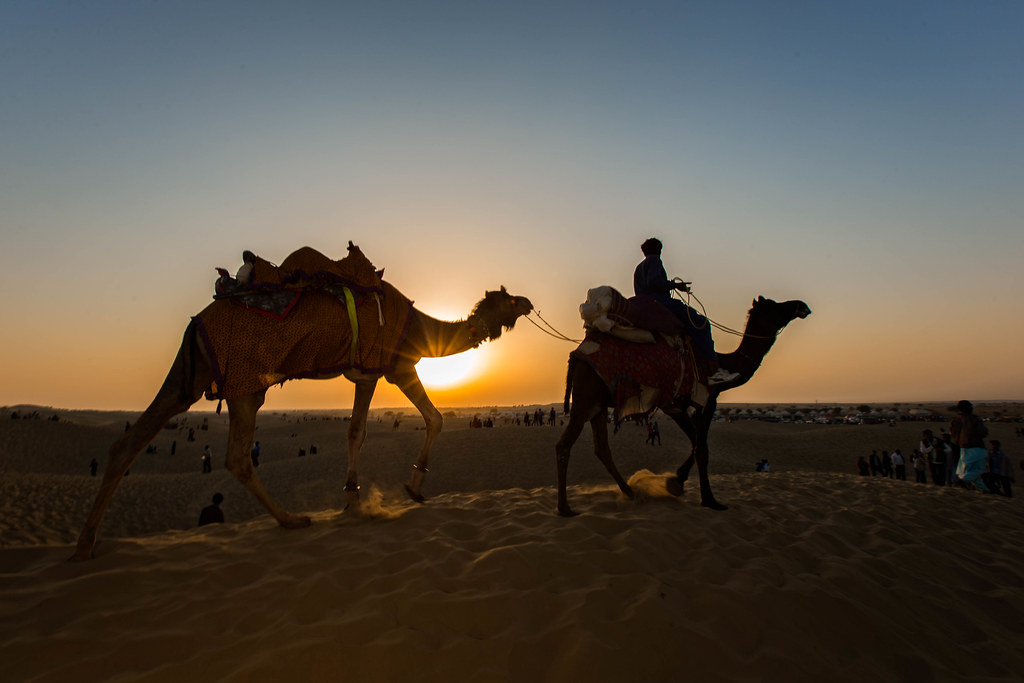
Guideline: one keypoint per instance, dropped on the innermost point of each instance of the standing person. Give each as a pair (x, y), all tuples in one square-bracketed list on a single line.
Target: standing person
[(212, 514), (863, 469), (886, 464), (651, 280), (1001, 468), (655, 433), (920, 463), (876, 463), (207, 459), (935, 451), (93, 466), (952, 457), (899, 464), (969, 432), (254, 454)]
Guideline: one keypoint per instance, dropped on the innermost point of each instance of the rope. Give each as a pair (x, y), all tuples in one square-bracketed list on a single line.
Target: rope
[(553, 333), (717, 326)]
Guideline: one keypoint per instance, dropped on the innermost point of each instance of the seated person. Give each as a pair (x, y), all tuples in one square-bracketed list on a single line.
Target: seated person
[(650, 279)]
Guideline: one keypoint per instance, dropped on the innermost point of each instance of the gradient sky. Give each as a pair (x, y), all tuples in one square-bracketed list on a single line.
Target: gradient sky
[(866, 157)]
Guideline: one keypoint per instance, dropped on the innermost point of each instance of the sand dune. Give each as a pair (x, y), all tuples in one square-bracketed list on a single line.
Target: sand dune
[(812, 574)]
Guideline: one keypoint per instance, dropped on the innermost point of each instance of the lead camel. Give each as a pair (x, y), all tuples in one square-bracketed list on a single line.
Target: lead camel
[(194, 373)]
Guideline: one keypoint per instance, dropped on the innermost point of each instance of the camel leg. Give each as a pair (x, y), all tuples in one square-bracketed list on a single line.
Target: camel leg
[(183, 386), (599, 425), (242, 427), (356, 435), (409, 382), (702, 424), (563, 450), (675, 484)]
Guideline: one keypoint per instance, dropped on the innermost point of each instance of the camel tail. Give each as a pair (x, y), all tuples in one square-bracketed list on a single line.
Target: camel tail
[(568, 386), (189, 354)]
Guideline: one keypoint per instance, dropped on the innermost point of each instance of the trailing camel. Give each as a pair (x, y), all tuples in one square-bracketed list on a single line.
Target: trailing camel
[(327, 344), (590, 398)]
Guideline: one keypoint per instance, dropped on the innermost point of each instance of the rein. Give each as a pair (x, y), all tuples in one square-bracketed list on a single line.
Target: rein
[(553, 332), (719, 326)]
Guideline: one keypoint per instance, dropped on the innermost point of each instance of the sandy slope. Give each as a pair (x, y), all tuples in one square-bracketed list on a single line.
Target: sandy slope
[(812, 574)]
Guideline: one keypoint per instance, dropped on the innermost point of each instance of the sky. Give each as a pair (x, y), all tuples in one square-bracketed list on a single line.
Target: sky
[(867, 158)]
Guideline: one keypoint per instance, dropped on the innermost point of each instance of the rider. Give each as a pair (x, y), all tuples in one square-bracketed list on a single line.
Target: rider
[(650, 279)]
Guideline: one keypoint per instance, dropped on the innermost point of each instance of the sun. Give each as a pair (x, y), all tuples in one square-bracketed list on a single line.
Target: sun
[(448, 371)]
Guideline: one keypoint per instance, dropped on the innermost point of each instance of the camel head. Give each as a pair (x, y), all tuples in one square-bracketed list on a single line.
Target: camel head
[(769, 317), (497, 310)]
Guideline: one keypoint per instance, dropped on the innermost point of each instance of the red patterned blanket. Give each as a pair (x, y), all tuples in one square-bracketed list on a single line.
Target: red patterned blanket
[(640, 377)]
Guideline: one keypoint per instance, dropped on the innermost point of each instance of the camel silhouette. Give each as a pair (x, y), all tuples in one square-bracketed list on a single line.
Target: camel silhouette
[(195, 373), (587, 399)]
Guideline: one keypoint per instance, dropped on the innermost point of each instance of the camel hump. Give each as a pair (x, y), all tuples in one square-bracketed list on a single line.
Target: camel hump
[(308, 265)]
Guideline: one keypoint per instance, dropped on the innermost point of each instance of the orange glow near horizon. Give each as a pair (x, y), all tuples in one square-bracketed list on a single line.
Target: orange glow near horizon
[(448, 371)]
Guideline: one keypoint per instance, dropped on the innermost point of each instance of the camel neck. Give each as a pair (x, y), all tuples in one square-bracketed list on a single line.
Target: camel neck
[(433, 338)]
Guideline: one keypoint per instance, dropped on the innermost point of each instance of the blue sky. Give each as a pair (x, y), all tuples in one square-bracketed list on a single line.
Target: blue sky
[(865, 157)]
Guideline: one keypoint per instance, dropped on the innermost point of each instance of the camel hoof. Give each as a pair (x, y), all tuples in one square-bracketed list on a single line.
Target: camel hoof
[(81, 556), (567, 512), (628, 492), (674, 486), (713, 505), (415, 496)]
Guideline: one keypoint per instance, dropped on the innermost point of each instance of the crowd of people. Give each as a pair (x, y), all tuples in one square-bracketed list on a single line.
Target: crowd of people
[(957, 457)]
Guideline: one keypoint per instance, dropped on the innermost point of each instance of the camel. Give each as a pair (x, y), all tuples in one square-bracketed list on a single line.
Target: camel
[(590, 399), (193, 374)]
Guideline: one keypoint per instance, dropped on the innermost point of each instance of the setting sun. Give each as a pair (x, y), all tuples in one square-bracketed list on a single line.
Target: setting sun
[(448, 371)]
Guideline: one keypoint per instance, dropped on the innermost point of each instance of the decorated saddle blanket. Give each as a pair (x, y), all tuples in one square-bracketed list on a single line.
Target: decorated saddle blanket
[(274, 290), (321, 336), (641, 377)]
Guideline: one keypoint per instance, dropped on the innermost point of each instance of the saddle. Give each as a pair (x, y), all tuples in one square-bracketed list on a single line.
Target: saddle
[(264, 287), (641, 351)]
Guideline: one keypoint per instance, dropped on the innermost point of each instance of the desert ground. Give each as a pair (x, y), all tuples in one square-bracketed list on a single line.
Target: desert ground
[(813, 573)]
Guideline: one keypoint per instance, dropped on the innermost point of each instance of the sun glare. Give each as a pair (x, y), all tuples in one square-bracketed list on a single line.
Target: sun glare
[(447, 371)]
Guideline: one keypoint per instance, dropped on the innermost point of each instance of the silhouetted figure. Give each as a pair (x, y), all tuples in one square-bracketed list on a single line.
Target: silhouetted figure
[(93, 466), (255, 454), (1000, 470), (862, 466), (875, 463), (969, 432), (651, 280), (207, 460), (174, 447), (212, 514)]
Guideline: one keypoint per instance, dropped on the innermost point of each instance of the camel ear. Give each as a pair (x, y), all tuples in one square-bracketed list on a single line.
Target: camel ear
[(503, 290), (760, 298)]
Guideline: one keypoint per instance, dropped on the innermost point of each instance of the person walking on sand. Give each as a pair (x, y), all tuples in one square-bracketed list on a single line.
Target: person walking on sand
[(653, 433), (207, 460), (969, 432)]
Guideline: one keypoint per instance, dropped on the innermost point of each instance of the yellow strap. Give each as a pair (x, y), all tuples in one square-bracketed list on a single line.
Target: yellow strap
[(350, 304)]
